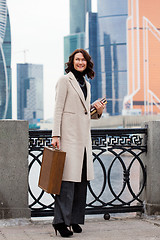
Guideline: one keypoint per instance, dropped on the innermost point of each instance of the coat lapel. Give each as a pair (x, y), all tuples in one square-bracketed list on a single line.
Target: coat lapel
[(78, 89)]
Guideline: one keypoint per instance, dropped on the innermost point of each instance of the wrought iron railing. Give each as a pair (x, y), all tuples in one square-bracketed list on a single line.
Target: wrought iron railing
[(120, 174)]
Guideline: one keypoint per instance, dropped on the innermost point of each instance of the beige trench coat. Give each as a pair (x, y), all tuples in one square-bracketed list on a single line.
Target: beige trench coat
[(72, 124)]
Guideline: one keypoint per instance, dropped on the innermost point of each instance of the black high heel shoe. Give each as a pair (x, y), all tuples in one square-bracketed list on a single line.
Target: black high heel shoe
[(62, 229), (76, 228)]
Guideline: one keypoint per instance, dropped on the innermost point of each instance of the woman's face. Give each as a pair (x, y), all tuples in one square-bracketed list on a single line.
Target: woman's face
[(79, 62)]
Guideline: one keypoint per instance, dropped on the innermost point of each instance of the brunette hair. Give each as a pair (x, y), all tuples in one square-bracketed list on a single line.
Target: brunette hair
[(89, 70)]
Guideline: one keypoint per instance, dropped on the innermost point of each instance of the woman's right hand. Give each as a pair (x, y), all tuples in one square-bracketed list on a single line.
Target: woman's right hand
[(55, 142)]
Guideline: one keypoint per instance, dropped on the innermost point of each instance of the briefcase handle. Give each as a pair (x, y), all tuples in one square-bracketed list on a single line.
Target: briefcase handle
[(55, 148)]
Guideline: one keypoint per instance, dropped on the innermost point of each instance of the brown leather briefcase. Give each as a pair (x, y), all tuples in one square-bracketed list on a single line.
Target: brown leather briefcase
[(51, 170)]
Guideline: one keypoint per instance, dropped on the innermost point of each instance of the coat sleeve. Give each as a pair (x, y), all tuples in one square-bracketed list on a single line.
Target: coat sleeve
[(60, 99)]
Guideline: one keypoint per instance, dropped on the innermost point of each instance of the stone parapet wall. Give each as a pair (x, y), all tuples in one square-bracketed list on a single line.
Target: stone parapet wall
[(151, 195), (14, 169), (123, 121)]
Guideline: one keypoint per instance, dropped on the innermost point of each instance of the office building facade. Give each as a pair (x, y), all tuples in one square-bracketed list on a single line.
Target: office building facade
[(83, 34), (143, 34), (76, 38), (78, 10), (112, 52), (91, 47), (5, 63), (72, 42), (30, 92)]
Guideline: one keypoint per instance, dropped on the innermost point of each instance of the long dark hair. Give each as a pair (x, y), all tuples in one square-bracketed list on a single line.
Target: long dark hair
[(89, 70)]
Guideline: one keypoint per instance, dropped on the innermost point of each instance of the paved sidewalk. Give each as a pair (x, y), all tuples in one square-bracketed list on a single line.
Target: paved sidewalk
[(94, 229)]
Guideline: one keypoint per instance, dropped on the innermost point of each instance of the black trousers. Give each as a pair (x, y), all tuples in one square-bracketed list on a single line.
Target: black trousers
[(70, 204)]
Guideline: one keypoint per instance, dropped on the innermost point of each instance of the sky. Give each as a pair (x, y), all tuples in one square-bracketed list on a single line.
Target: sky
[(37, 31)]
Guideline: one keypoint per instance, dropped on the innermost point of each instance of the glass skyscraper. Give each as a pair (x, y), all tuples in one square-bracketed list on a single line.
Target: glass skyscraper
[(5, 63), (76, 39), (143, 41), (78, 10), (30, 92), (72, 42), (112, 52), (83, 34), (91, 46)]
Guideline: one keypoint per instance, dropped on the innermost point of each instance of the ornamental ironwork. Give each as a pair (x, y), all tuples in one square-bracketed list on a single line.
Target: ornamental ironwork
[(120, 174)]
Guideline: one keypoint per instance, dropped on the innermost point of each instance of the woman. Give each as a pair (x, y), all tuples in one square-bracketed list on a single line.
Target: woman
[(71, 133)]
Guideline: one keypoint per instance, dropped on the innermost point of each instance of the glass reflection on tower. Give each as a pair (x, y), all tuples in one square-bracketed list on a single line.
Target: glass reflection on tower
[(112, 52), (76, 38)]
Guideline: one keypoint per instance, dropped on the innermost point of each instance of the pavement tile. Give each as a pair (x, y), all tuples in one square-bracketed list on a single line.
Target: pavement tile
[(94, 229)]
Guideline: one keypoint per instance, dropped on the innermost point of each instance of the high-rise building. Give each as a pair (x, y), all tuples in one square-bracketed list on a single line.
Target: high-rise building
[(76, 38), (5, 63), (112, 52), (83, 34), (78, 10), (143, 30), (91, 47), (72, 42), (30, 92)]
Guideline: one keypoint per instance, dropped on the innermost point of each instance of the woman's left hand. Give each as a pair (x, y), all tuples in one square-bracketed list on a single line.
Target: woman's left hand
[(99, 106)]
